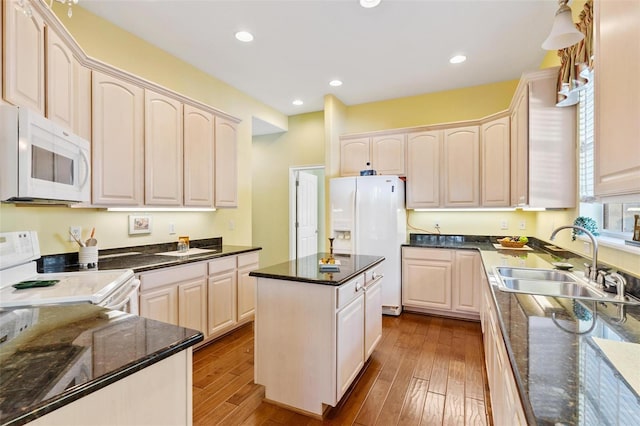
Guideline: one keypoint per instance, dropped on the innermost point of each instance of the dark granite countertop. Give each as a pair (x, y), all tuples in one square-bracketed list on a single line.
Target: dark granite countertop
[(54, 355), (555, 345), (306, 269), (143, 258)]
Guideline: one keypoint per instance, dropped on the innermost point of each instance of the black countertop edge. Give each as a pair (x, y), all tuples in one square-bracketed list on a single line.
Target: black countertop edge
[(147, 258), (87, 388), (331, 282)]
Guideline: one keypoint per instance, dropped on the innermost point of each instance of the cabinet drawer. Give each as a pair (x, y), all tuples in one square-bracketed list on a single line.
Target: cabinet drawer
[(427, 253), (224, 264), (167, 276), (248, 259), (347, 292), (372, 274)]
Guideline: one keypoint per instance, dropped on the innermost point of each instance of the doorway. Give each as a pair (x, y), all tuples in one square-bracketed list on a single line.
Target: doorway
[(306, 211)]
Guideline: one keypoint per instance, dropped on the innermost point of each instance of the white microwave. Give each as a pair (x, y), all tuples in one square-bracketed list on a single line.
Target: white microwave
[(42, 162)]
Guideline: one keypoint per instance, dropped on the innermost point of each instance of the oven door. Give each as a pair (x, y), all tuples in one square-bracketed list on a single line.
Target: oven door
[(125, 299), (53, 164)]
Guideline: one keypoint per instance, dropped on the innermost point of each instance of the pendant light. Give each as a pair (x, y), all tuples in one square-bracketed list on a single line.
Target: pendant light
[(564, 32)]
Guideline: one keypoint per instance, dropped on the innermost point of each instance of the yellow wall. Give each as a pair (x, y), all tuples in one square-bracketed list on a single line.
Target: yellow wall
[(110, 44), (273, 155)]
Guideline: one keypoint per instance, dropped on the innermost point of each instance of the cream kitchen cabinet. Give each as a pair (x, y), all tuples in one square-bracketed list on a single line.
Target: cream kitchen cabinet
[(226, 163), (162, 150), (423, 169), (176, 295), (24, 60), (617, 98), (372, 309), (221, 287), (247, 285), (543, 144), (198, 157), (441, 281), (118, 141), (495, 163), (384, 153), (461, 158), (350, 349)]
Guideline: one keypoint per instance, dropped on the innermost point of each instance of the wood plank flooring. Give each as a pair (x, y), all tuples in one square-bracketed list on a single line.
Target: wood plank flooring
[(425, 371)]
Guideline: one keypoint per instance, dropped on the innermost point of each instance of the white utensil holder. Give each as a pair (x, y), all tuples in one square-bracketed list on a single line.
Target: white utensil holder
[(88, 257)]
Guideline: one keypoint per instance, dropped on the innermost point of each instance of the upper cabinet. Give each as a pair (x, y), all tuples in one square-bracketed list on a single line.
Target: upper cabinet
[(226, 163), (423, 169), (617, 97), (118, 142), (383, 153), (198, 157), (162, 150), (24, 60), (461, 158), (494, 161), (543, 144)]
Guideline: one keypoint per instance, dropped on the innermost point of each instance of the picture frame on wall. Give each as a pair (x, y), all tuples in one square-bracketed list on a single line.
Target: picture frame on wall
[(139, 224)]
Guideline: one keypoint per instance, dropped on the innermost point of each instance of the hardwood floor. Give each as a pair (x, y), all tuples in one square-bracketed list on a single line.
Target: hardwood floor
[(425, 371)]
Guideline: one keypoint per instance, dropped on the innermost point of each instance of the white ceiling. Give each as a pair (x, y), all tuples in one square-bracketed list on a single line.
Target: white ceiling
[(398, 49)]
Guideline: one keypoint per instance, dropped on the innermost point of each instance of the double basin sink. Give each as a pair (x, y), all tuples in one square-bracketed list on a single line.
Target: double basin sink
[(551, 282)]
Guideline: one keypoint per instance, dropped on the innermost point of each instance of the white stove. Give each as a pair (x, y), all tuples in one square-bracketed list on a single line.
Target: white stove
[(114, 289)]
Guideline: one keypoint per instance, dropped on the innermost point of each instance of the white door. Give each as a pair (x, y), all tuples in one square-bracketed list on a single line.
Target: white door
[(307, 214)]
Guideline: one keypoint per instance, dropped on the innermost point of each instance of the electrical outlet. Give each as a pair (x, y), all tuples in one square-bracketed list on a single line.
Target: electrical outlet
[(232, 225), (504, 224), (523, 225), (76, 231), (172, 228), (586, 247)]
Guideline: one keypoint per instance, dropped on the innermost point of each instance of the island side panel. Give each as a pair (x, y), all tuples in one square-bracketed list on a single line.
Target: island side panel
[(295, 343)]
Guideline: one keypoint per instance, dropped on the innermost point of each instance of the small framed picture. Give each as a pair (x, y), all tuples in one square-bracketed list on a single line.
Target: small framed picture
[(139, 224)]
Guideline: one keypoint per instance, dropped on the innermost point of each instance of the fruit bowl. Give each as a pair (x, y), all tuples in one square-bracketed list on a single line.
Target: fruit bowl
[(505, 242)]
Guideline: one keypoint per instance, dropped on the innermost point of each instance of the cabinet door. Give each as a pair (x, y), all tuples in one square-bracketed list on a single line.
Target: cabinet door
[(387, 154), (198, 157), (617, 98), (226, 159), (350, 343), (82, 100), (519, 151), (466, 283), (24, 60), (373, 317), (60, 81), (118, 141), (160, 304), (426, 283), (495, 155), (423, 169), (354, 156), (461, 167), (221, 295), (192, 305), (246, 285), (163, 150)]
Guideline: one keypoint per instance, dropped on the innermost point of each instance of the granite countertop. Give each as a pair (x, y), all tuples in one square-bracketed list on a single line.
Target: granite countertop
[(144, 258), (53, 355), (306, 269), (567, 355)]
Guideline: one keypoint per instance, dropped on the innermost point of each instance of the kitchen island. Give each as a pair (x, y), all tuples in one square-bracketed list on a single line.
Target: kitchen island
[(315, 330), (571, 360), (82, 364)]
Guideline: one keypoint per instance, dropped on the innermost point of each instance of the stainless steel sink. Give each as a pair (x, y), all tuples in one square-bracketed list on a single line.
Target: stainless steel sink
[(549, 282), (535, 274)]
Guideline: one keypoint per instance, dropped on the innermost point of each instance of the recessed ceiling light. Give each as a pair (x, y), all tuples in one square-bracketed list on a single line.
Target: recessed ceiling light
[(244, 36), (458, 59), (297, 102), (369, 3), (335, 83)]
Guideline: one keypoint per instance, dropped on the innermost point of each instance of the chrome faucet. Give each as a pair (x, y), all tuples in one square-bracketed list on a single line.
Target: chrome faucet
[(591, 271), (620, 283)]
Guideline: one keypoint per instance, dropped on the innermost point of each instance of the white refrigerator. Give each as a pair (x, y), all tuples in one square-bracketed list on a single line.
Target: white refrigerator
[(368, 217)]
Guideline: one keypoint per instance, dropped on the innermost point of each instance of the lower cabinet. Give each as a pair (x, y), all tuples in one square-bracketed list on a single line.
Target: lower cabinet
[(441, 281), (505, 400), (212, 296), (312, 340)]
